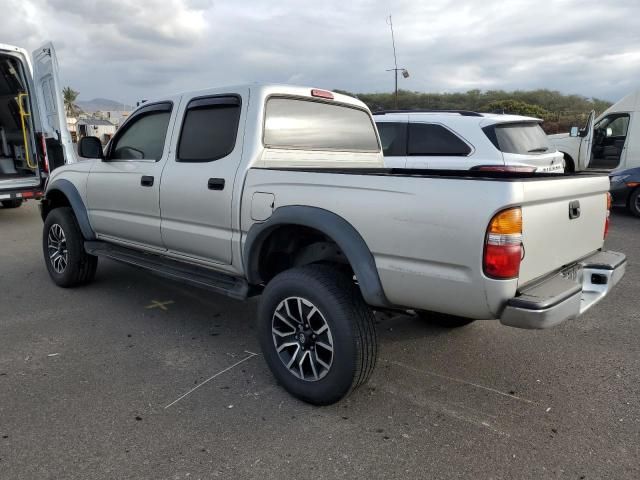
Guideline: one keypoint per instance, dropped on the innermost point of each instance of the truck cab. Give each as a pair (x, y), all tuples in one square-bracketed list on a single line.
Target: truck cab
[(607, 142), (34, 139)]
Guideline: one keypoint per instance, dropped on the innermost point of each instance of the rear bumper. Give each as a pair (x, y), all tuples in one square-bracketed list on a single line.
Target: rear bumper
[(567, 294), (21, 194)]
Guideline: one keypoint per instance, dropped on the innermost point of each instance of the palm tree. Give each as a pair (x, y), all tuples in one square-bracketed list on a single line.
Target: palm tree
[(70, 96)]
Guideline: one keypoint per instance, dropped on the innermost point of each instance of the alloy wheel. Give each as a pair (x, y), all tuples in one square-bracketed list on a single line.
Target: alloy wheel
[(57, 248), (302, 338)]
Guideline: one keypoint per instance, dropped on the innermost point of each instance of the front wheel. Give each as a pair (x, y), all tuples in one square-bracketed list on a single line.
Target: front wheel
[(317, 334), (634, 202), (67, 261)]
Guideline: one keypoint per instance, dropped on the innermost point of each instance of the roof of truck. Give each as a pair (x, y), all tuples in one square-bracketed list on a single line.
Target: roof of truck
[(265, 90)]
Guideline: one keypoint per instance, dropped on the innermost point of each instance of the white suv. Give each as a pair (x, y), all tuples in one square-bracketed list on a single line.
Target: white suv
[(463, 140)]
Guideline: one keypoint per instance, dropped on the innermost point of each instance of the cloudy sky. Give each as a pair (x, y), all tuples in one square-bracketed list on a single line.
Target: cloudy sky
[(131, 49)]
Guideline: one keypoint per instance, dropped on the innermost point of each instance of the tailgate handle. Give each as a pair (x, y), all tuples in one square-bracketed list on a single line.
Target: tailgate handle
[(574, 209)]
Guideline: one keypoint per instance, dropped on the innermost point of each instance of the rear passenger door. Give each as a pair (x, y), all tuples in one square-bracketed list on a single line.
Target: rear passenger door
[(123, 190), (198, 180), (434, 146)]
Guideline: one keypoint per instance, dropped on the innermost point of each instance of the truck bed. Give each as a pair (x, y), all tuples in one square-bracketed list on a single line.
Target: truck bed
[(452, 174), (426, 228)]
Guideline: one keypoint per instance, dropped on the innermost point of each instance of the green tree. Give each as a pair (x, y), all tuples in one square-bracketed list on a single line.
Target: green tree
[(70, 96), (517, 107)]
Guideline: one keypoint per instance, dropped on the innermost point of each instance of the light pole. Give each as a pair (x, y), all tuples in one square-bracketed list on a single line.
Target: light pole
[(404, 71)]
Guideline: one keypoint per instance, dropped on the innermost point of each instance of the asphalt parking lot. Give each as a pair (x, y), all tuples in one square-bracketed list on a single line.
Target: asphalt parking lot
[(92, 383)]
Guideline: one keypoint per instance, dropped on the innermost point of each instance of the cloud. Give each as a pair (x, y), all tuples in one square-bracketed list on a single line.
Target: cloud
[(126, 49)]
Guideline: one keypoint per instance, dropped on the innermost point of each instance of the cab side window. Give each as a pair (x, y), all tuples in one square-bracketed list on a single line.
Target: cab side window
[(143, 137), (209, 129)]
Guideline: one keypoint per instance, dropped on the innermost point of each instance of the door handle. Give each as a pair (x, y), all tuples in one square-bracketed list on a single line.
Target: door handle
[(146, 181), (216, 184)]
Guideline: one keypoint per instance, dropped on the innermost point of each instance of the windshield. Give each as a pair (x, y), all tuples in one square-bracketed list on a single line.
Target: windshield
[(525, 138)]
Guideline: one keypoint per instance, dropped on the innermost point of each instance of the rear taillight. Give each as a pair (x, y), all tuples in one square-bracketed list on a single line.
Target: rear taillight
[(503, 245), (43, 144), (505, 168), (607, 221)]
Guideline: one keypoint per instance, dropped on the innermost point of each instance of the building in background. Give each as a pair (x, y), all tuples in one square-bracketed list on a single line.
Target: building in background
[(117, 117), (95, 127), (71, 126)]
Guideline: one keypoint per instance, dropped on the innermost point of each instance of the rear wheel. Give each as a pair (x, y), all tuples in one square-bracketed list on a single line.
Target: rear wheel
[(634, 202), (567, 162), (317, 334), (14, 203), (443, 320), (67, 261)]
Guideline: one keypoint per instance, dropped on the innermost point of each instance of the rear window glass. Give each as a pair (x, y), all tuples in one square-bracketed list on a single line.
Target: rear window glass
[(434, 140), (309, 125), (521, 138), (393, 137)]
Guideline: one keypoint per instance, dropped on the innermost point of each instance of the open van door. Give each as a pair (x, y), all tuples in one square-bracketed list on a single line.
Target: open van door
[(587, 142), (50, 102)]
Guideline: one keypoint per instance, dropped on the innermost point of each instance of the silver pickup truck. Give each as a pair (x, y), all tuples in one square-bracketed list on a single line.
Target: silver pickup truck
[(279, 191)]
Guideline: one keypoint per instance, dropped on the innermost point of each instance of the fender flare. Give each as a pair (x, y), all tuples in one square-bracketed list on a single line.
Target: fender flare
[(335, 227), (70, 191)]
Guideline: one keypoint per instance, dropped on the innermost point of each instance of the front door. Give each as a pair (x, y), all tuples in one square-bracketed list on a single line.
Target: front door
[(198, 181), (585, 144), (609, 139), (123, 190)]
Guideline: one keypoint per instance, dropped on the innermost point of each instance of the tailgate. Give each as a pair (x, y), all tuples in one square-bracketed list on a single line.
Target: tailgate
[(551, 238), (550, 162)]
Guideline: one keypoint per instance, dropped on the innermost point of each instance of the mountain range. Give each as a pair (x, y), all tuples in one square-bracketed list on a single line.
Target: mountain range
[(102, 104)]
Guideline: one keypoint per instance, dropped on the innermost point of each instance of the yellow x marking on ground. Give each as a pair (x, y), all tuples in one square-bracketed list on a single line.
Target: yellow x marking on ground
[(160, 305)]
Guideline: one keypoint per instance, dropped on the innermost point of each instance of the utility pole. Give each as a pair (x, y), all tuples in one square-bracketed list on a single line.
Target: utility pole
[(395, 70)]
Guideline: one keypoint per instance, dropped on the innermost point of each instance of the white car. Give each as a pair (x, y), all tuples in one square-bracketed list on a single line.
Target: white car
[(463, 140)]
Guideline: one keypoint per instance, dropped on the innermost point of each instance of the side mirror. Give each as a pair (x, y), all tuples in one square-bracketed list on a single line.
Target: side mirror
[(575, 131), (90, 147)]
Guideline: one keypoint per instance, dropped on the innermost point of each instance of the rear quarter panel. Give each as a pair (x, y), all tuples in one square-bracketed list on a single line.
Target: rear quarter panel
[(426, 234)]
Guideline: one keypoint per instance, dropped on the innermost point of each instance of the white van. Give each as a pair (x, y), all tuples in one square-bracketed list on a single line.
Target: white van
[(34, 138), (606, 142)]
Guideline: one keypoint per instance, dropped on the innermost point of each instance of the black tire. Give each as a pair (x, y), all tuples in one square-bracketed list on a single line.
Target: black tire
[(14, 203), (79, 267), (350, 323), (444, 321), (634, 202), (569, 166)]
